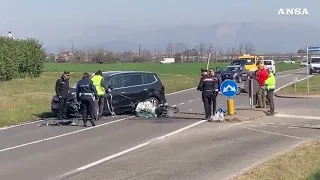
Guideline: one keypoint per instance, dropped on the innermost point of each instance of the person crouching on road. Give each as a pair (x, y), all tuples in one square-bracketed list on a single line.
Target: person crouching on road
[(101, 88), (62, 92), (270, 86), (262, 75), (86, 93), (207, 85)]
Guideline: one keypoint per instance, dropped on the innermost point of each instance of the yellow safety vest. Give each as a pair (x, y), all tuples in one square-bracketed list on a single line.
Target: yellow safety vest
[(271, 82), (96, 79)]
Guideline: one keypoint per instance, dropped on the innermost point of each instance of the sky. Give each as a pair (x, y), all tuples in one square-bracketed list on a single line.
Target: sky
[(52, 20)]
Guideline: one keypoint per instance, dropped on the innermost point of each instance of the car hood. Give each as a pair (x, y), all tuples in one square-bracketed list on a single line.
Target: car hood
[(228, 72), (72, 92), (315, 65)]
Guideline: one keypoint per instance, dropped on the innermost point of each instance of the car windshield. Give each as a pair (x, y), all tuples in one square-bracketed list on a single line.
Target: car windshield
[(106, 79), (232, 68), (239, 62), (267, 63), (315, 60)]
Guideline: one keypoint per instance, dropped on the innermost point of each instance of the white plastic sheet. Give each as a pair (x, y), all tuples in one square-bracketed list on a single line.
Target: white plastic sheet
[(146, 107)]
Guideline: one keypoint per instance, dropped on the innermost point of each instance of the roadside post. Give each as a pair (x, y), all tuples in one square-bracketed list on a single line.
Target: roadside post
[(251, 86), (229, 89), (295, 80), (310, 49)]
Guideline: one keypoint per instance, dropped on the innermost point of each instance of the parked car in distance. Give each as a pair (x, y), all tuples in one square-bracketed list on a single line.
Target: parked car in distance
[(270, 64), (236, 72), (304, 62), (128, 88)]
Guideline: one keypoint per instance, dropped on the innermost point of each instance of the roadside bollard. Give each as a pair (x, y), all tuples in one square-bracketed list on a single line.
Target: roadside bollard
[(230, 106)]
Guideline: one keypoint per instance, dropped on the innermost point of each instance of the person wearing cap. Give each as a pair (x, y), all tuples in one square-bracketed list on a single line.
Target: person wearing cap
[(262, 75), (62, 92), (86, 93), (98, 82), (270, 86)]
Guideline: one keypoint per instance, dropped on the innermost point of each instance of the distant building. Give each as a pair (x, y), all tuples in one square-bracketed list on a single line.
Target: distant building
[(10, 35)]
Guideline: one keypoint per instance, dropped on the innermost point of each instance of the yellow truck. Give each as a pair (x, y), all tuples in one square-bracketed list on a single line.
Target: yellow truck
[(251, 61)]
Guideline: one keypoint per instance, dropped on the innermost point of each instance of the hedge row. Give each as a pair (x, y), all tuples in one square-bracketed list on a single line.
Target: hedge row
[(20, 58)]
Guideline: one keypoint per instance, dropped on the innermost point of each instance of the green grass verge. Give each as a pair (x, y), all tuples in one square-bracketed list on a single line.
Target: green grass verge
[(301, 87), (23, 100), (299, 164)]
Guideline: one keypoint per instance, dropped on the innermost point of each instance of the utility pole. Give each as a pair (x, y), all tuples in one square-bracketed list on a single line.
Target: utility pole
[(140, 46)]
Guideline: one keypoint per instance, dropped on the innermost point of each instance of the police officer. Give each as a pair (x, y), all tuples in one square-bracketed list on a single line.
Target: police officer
[(270, 86), (98, 82), (218, 82), (209, 84), (86, 94), (62, 91)]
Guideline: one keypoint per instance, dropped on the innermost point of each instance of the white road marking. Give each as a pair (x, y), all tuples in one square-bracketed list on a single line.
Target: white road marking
[(300, 125), (181, 103), (174, 105), (134, 148), (127, 151), (19, 125), (291, 83), (62, 135), (297, 116), (33, 122), (190, 101), (279, 134)]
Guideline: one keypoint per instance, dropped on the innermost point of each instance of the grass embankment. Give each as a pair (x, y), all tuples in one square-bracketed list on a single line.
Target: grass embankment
[(301, 87), (22, 100), (303, 163)]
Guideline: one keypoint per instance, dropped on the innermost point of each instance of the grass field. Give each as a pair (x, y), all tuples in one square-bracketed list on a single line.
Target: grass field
[(303, 163), (24, 100), (301, 87)]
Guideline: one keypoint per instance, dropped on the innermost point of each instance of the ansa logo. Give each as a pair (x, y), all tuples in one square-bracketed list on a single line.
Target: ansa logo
[(293, 11)]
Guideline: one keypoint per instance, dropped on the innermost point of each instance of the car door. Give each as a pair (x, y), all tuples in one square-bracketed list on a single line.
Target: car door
[(135, 88), (118, 85), (243, 73)]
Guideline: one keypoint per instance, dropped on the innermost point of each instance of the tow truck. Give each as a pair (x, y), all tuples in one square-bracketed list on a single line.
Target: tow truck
[(251, 62)]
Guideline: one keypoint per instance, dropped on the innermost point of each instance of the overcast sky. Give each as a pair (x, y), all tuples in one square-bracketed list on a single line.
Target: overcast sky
[(49, 19)]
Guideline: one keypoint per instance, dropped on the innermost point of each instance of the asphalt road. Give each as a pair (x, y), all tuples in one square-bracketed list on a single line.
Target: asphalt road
[(130, 148)]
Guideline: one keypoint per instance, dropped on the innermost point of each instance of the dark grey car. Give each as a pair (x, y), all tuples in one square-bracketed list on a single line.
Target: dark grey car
[(128, 88), (236, 72)]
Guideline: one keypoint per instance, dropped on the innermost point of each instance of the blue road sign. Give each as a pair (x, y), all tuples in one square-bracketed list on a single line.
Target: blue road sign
[(229, 88), (313, 49)]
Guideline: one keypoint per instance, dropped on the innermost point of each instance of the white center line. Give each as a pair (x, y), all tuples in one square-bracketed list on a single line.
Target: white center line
[(62, 135)]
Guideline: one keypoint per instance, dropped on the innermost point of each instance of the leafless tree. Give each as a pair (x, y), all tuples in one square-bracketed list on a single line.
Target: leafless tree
[(169, 50), (240, 51)]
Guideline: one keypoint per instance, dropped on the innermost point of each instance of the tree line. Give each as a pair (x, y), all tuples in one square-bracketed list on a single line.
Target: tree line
[(178, 51)]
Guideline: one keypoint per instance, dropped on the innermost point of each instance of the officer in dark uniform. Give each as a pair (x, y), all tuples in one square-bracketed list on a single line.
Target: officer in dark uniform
[(62, 91), (217, 81), (209, 86), (86, 94)]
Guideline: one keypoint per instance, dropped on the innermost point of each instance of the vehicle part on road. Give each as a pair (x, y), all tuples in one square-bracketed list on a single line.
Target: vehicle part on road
[(49, 122), (110, 106), (166, 111)]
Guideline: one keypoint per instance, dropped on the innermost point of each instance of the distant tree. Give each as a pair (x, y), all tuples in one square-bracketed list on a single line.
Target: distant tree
[(301, 51)]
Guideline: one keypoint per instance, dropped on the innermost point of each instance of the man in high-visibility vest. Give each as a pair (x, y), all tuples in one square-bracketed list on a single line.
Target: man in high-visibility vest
[(98, 82), (270, 86)]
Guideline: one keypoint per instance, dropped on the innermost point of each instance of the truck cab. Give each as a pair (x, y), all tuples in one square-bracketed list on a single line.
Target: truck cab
[(314, 64), (251, 62)]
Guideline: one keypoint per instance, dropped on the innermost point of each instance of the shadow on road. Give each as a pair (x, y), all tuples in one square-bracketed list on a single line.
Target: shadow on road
[(44, 115)]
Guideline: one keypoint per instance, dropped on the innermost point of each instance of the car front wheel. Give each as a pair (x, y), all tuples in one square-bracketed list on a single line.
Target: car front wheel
[(153, 100)]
